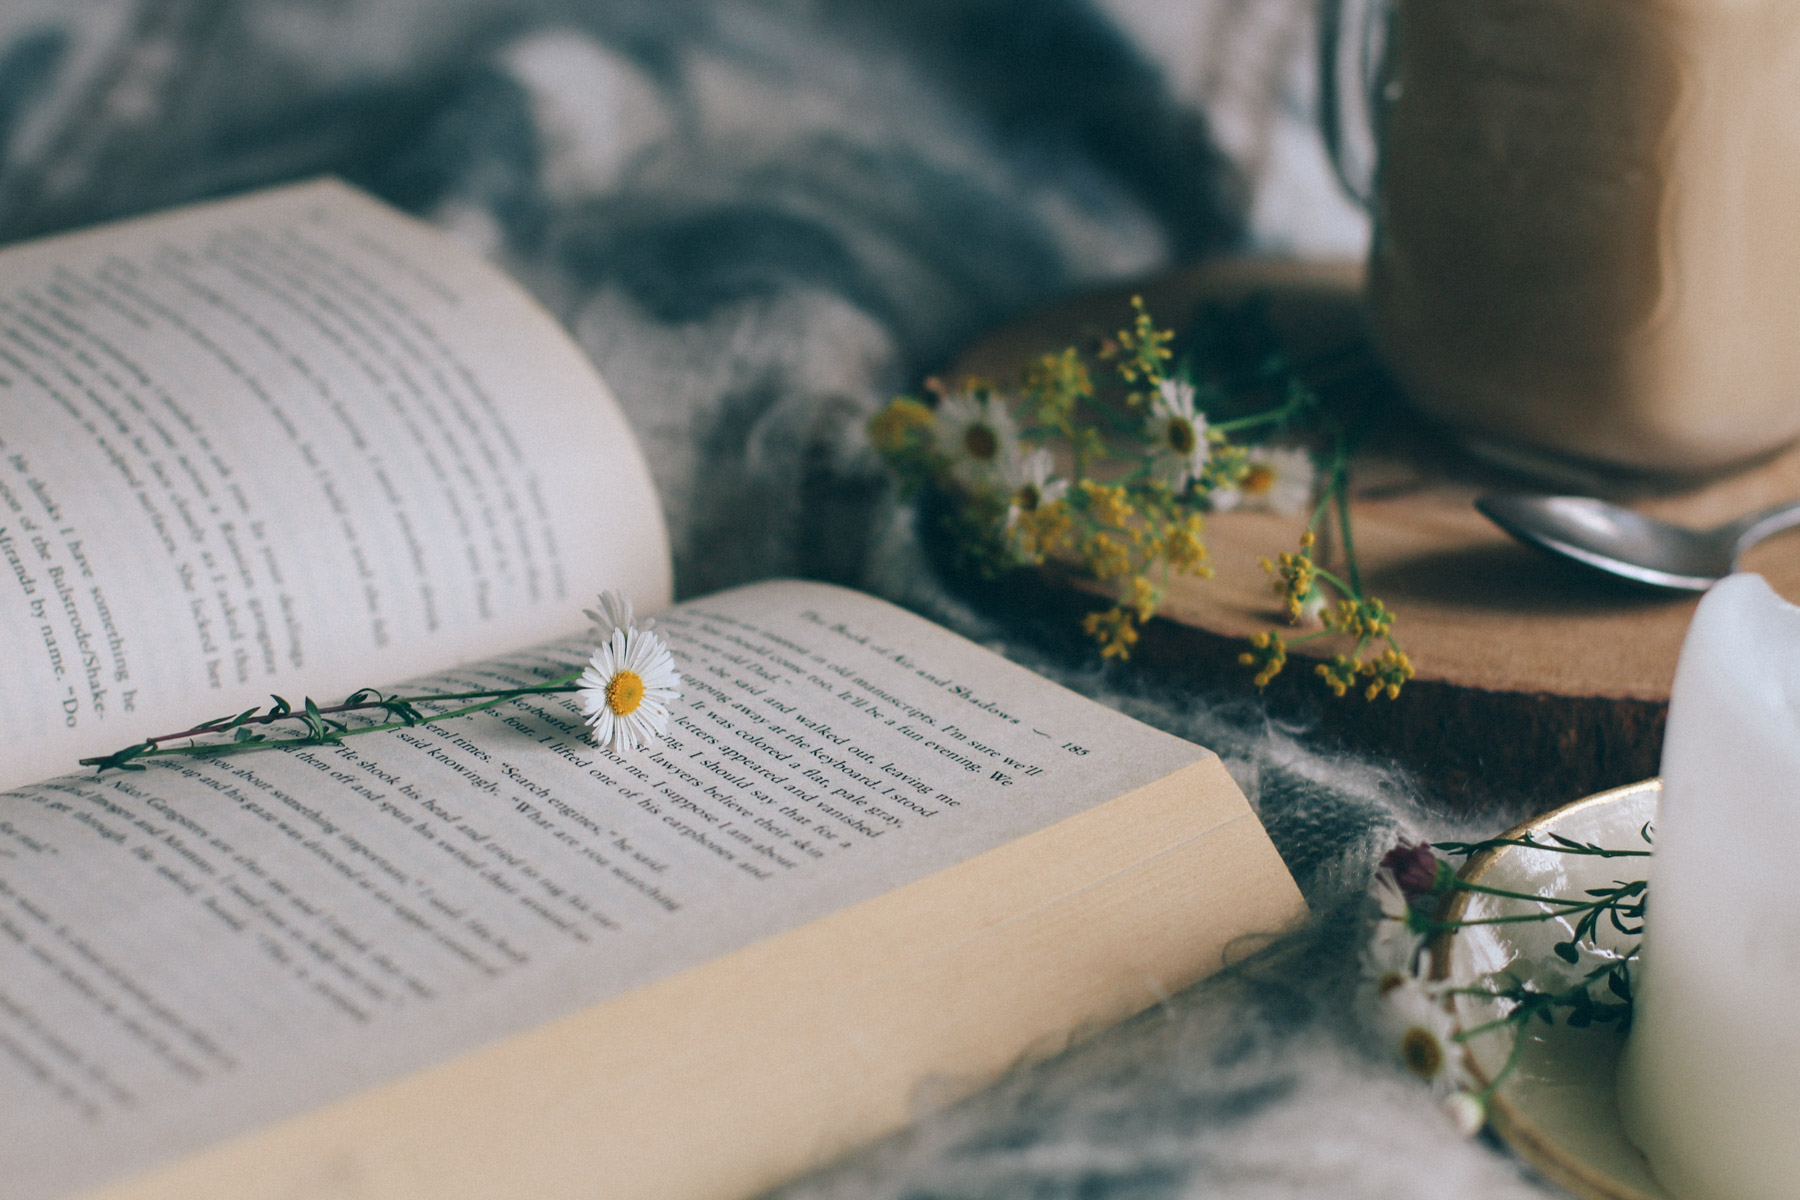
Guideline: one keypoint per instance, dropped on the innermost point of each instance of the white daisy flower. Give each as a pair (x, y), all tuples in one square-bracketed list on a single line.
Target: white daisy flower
[(614, 613), (1178, 431), (1420, 1028), (1029, 486), (1390, 958), (1388, 895), (1280, 480), (627, 687), (1466, 1112), (1393, 953), (976, 433)]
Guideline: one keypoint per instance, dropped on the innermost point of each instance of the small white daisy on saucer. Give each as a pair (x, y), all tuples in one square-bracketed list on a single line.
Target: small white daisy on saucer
[(629, 682), (1280, 480), (1418, 1024), (975, 432), (1029, 486), (1178, 431)]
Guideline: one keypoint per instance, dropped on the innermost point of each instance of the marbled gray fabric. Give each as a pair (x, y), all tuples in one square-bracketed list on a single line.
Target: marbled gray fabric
[(761, 219)]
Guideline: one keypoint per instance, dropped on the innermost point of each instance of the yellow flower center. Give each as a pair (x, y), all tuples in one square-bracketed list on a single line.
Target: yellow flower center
[(624, 693), (1258, 481), (981, 442), (1421, 1052), (1181, 435)]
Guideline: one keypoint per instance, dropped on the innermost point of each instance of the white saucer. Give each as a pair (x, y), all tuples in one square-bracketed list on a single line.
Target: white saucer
[(1557, 1109)]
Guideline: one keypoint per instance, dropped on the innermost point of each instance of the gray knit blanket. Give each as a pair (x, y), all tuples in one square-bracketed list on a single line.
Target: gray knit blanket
[(762, 219)]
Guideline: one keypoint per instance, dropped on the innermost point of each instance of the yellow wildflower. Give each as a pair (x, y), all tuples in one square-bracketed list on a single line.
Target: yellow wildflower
[(1106, 556), (896, 427), (1114, 630), (1056, 383), (1141, 350), (1361, 619), (1390, 672), (1268, 655), (1294, 575), (1142, 598), (1339, 674), (1182, 545), (1109, 505), (1043, 531)]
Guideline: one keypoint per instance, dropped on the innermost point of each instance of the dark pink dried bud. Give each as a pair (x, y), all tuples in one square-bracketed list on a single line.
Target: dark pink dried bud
[(1416, 869)]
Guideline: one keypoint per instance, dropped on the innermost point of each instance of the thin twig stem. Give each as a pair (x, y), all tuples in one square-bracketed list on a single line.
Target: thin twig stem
[(312, 716)]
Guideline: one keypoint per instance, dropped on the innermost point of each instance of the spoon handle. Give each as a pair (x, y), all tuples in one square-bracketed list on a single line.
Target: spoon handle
[(1747, 531)]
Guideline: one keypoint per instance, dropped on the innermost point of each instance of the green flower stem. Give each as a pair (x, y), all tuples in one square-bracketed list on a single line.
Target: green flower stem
[(1463, 886), (1312, 522), (1332, 578), (320, 731), (1274, 416), (1463, 1035), (1528, 844), (1340, 488), (1430, 926), (1528, 1004)]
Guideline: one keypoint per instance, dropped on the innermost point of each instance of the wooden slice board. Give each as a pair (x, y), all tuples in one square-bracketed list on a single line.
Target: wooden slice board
[(1536, 679)]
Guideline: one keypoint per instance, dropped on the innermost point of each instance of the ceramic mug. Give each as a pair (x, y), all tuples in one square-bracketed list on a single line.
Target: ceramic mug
[(1586, 214)]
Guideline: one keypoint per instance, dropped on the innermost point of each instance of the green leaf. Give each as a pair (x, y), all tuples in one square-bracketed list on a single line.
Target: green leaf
[(315, 723), (121, 760)]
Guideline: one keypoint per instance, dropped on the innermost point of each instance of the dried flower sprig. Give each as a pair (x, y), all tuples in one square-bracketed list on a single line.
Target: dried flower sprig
[(625, 689), (1142, 477), (1412, 890)]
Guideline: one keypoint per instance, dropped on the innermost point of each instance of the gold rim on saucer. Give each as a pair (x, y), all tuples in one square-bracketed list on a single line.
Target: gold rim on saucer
[(1597, 1161)]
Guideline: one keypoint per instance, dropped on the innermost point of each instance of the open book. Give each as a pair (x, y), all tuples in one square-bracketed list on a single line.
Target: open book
[(298, 443)]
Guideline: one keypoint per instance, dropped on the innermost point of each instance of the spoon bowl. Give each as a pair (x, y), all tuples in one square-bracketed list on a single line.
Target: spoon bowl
[(1630, 545)]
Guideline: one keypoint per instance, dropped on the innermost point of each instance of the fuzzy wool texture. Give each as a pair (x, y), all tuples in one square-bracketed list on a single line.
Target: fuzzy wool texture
[(761, 218)]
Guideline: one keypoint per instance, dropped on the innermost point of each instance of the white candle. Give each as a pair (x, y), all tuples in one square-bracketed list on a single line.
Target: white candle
[(1710, 1084)]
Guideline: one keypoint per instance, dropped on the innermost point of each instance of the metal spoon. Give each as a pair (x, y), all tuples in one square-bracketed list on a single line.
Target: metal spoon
[(1622, 542)]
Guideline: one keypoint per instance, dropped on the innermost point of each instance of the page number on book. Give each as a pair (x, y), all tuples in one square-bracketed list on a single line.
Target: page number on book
[(1072, 748)]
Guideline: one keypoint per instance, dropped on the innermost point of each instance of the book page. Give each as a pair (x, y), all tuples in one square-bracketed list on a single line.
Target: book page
[(291, 443), (208, 945)]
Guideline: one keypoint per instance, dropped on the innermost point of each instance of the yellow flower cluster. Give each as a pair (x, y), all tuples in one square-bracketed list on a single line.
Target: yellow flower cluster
[(900, 426), (1268, 654), (1389, 673), (1106, 556), (1126, 542), (1139, 353), (1114, 630), (1139, 520), (1361, 619), (1302, 585), (1182, 547), (1041, 532), (1106, 505), (1227, 465), (1386, 673), (1058, 384), (1295, 575), (1338, 672)]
